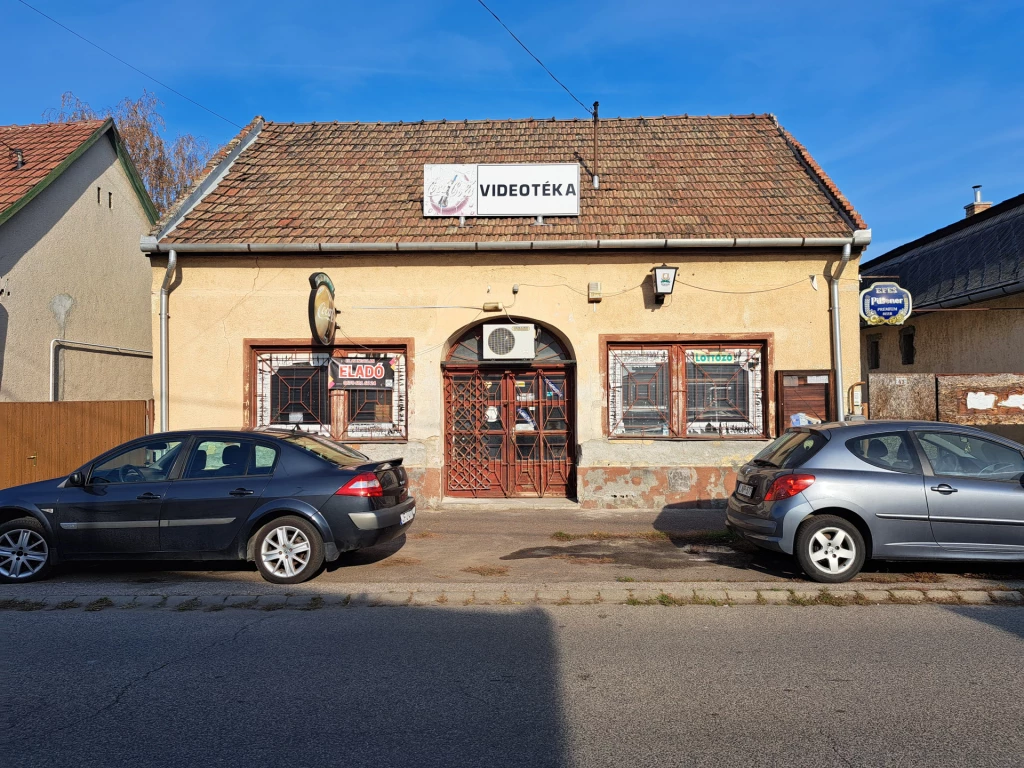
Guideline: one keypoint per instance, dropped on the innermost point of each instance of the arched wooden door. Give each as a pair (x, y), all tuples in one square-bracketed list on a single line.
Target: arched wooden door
[(509, 426)]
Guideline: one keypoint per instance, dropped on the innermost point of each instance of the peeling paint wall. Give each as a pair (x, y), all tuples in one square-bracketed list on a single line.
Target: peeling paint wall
[(223, 300), (70, 268)]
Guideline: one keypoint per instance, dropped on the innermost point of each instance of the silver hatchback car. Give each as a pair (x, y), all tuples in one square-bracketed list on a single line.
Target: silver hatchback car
[(837, 494)]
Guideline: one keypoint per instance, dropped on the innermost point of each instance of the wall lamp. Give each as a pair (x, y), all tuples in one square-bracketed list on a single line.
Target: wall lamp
[(664, 282)]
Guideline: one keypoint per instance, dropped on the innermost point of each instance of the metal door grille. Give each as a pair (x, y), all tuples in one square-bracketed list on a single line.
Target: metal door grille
[(509, 432)]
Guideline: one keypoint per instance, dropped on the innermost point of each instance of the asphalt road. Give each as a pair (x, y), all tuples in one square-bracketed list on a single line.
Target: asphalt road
[(505, 686)]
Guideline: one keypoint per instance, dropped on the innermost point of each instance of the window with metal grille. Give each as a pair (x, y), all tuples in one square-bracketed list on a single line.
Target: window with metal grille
[(686, 390), (293, 388)]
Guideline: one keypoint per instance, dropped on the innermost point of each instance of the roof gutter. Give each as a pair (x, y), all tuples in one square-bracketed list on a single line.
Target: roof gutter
[(860, 238)]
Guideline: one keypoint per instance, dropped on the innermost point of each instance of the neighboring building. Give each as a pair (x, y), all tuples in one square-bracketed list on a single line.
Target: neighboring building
[(972, 265), (616, 401), (72, 208)]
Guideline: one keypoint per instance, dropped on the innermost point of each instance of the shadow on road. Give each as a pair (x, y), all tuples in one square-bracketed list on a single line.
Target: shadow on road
[(439, 687)]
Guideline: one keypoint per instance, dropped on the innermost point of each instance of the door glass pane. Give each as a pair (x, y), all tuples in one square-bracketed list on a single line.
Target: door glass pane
[(553, 391), (969, 456), (149, 462), (218, 458), (888, 451)]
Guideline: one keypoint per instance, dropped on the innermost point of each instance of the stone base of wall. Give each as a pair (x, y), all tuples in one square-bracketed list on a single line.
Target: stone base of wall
[(615, 487), (654, 487)]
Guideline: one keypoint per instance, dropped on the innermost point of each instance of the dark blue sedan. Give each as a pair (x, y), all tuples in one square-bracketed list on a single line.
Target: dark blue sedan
[(289, 501)]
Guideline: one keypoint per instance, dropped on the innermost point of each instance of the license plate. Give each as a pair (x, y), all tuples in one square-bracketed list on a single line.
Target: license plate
[(745, 489), (407, 516)]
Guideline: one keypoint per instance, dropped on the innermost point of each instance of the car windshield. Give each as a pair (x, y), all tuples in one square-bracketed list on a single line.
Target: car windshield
[(336, 453), (791, 450)]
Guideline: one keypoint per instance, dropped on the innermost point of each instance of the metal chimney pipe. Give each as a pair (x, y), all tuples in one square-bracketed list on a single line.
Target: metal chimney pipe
[(977, 193), (597, 179)]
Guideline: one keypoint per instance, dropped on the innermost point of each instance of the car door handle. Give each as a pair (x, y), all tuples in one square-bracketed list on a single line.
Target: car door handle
[(147, 496), (944, 489), (240, 492)]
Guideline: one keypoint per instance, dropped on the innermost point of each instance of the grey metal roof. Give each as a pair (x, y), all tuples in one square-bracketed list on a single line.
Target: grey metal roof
[(975, 259)]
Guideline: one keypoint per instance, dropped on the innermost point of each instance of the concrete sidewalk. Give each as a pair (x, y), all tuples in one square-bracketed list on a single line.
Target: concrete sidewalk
[(520, 550)]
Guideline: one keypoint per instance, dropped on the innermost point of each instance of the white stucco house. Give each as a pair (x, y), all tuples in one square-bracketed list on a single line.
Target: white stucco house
[(74, 294)]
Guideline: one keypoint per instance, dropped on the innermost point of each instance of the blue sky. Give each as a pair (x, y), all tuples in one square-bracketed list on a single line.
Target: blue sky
[(904, 103)]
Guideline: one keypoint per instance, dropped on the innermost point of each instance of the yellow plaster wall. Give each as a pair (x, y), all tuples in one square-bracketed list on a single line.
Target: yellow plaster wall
[(221, 300)]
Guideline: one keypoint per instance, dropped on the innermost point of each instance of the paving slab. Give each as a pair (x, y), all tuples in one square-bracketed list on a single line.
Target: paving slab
[(975, 597)]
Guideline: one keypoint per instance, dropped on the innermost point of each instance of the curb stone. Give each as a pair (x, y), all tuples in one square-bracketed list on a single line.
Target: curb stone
[(875, 595), (907, 595), (1007, 597), (719, 596), (941, 595), (974, 597), (775, 596), (742, 597), (149, 601)]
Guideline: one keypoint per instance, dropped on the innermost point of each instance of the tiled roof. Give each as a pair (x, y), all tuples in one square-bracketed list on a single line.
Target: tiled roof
[(665, 177), (44, 148), (974, 259)]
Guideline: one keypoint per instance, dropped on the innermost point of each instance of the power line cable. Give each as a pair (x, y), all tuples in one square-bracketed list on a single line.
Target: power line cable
[(130, 66), (588, 110)]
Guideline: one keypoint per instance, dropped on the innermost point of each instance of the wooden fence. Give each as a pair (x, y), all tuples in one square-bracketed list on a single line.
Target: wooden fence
[(43, 440)]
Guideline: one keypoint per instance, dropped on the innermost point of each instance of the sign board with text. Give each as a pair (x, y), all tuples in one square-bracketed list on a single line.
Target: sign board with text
[(885, 304), (506, 189)]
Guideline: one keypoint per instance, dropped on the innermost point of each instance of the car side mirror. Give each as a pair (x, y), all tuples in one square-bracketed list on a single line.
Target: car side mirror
[(76, 480)]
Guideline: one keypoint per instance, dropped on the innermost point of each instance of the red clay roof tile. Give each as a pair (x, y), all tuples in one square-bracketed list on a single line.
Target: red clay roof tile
[(665, 177)]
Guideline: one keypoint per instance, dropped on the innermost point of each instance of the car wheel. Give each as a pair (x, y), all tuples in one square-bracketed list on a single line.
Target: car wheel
[(24, 551), (289, 550), (830, 549)]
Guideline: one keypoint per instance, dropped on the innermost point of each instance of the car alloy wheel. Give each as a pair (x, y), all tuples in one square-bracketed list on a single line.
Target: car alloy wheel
[(832, 551), (23, 554), (285, 552)]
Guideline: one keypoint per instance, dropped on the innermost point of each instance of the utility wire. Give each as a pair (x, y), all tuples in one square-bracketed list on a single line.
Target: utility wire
[(130, 66), (588, 110)]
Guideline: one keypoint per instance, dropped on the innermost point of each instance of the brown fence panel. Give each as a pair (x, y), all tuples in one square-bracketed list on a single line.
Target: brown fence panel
[(43, 440)]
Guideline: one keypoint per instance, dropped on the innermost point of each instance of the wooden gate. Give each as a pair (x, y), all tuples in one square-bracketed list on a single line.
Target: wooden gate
[(39, 441)]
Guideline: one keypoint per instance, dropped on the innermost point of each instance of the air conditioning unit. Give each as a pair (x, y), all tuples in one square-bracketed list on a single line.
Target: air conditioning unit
[(509, 342)]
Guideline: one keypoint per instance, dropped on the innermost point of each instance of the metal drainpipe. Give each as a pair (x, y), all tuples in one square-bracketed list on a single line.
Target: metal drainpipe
[(837, 342), (165, 290)]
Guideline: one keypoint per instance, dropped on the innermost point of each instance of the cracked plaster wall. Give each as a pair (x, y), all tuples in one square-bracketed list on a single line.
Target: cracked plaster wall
[(222, 300)]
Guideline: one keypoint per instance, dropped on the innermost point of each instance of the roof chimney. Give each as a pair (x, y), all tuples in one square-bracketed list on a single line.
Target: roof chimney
[(977, 206), (19, 158)]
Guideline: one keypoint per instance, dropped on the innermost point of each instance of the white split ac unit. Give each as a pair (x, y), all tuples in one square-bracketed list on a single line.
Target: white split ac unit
[(509, 342)]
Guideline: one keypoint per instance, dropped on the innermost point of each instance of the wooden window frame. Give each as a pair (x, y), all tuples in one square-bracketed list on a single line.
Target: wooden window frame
[(677, 380), (251, 348)]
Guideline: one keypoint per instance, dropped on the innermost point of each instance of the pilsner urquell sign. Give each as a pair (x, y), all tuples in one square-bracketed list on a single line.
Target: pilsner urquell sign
[(885, 304)]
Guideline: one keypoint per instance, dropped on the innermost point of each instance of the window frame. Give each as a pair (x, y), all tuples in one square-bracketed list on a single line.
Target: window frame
[(254, 348), (677, 344), (908, 345), (874, 352)]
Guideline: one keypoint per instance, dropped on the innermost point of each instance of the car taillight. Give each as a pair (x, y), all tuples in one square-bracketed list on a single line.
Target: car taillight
[(788, 485), (365, 484)]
